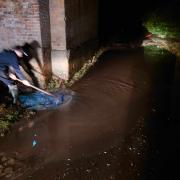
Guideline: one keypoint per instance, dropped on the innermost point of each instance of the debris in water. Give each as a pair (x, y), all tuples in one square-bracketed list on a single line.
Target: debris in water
[(108, 165), (30, 124), (20, 129), (34, 142), (41, 101), (88, 170)]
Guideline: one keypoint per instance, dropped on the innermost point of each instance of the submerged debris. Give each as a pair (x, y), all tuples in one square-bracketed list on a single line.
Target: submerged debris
[(41, 101)]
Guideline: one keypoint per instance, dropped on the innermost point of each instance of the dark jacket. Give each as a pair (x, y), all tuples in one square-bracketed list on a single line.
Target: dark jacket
[(9, 60)]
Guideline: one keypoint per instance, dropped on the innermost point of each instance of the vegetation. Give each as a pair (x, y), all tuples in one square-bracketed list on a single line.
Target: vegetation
[(163, 23), (54, 84), (155, 51), (89, 63), (11, 114)]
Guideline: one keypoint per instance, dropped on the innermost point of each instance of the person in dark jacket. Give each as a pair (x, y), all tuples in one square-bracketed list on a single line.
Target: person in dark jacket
[(9, 70)]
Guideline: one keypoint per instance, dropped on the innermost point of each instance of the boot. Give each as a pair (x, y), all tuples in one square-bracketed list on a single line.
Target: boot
[(14, 92)]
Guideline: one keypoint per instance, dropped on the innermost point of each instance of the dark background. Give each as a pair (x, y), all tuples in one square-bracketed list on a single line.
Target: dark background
[(123, 19)]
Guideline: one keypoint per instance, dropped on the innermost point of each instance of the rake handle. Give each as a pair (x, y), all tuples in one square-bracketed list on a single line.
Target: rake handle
[(38, 89)]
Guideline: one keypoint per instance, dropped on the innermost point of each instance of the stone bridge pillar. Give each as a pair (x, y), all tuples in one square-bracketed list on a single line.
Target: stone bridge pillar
[(59, 55), (74, 32)]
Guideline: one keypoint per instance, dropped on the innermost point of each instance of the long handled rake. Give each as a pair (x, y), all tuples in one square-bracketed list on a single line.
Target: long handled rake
[(34, 87)]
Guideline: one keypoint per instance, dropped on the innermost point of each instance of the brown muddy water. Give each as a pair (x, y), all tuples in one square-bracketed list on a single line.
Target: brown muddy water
[(123, 123)]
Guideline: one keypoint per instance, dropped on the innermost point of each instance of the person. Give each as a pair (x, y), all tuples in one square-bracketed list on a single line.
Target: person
[(32, 50), (9, 70)]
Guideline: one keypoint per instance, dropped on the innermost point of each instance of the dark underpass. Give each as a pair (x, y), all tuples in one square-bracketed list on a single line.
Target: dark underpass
[(122, 124), (123, 120)]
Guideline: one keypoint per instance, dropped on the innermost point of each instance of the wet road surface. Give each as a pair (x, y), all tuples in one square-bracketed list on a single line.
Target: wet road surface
[(121, 124)]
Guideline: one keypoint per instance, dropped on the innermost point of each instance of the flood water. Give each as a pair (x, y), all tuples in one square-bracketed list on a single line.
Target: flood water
[(123, 123)]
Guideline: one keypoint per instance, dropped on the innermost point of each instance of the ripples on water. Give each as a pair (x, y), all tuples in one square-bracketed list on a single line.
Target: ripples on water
[(114, 127)]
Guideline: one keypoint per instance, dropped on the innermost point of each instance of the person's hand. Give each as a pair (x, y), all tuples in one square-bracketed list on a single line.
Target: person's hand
[(26, 83), (12, 76)]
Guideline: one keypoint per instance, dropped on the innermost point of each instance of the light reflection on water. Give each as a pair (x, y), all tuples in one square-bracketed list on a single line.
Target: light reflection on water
[(115, 125)]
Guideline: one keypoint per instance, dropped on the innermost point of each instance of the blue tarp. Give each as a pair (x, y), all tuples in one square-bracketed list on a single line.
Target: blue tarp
[(41, 101)]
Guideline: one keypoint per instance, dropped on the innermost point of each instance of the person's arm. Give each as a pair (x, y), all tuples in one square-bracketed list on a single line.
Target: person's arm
[(25, 82), (15, 68), (18, 72)]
